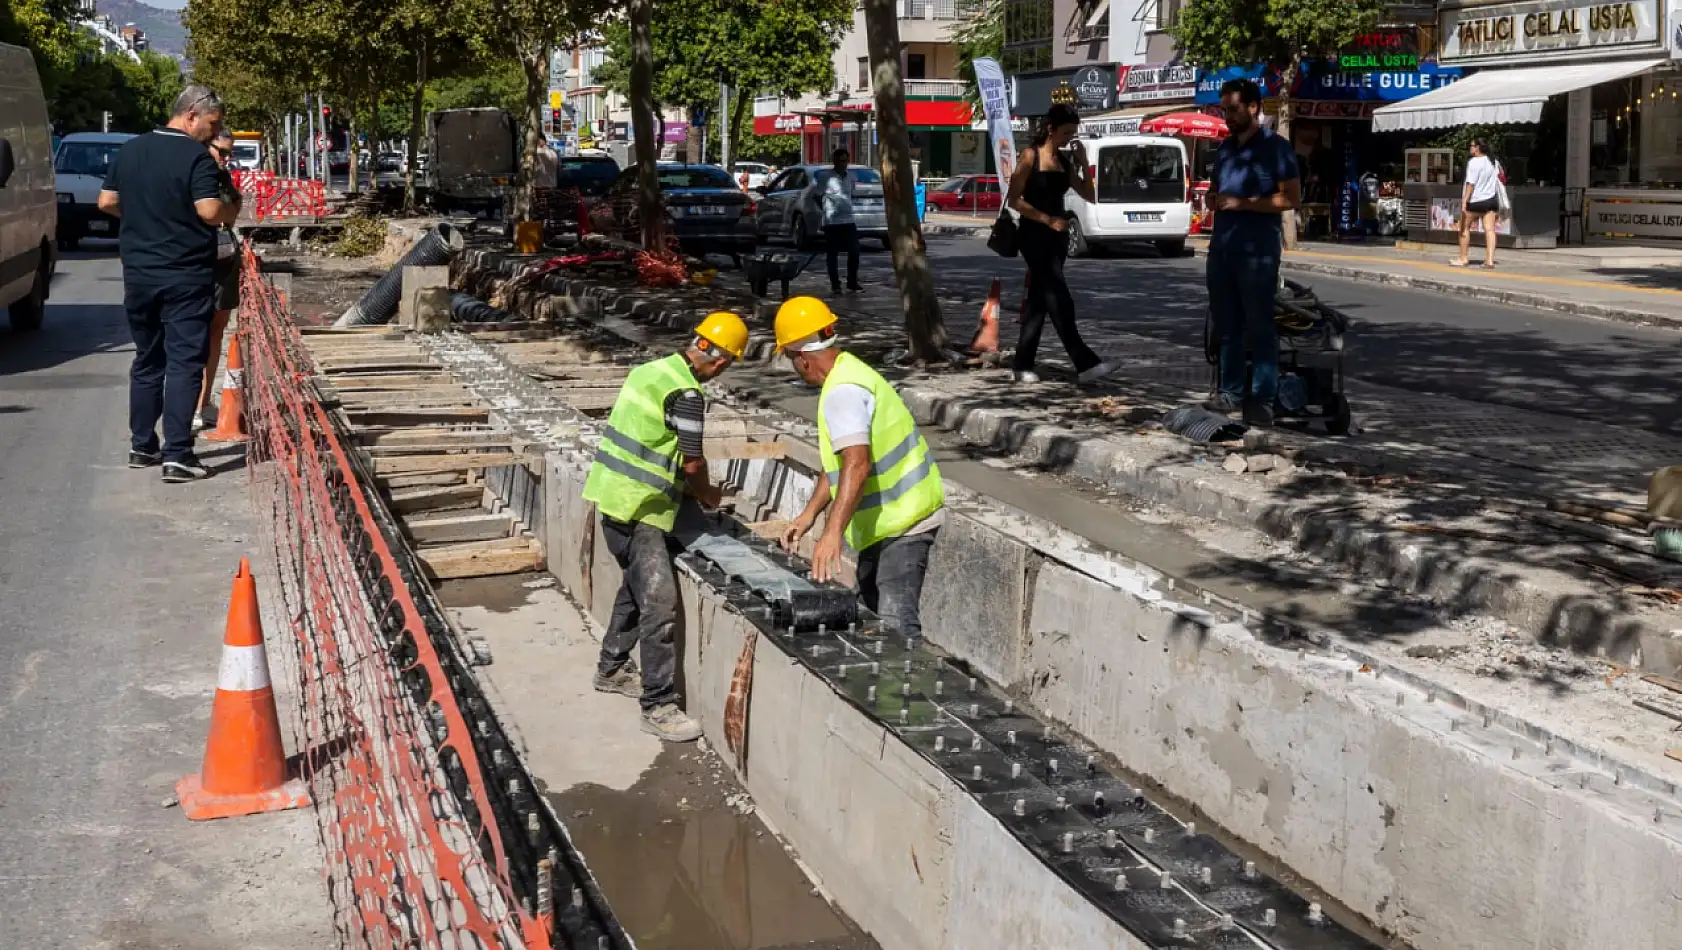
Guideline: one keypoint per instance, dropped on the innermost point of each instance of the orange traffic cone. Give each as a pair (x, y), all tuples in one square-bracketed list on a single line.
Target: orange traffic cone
[(230, 410), (987, 334), (244, 770)]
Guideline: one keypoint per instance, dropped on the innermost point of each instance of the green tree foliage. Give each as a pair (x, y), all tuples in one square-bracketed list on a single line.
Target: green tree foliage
[(45, 28), (1282, 34)]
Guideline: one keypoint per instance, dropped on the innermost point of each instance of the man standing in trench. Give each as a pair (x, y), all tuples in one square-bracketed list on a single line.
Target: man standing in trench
[(880, 483), (650, 451)]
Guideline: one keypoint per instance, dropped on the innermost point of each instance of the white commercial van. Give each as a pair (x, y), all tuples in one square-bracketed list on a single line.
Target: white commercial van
[(27, 216), (1143, 191), (82, 162)]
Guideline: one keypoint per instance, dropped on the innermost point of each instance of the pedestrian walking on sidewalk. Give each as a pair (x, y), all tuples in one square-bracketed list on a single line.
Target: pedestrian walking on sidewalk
[(1480, 200), (1048, 170), (879, 482), (166, 188), (227, 278), (1253, 182), (840, 231), (650, 452)]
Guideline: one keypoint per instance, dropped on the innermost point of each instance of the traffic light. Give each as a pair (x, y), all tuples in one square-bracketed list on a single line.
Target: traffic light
[(555, 117), (326, 111)]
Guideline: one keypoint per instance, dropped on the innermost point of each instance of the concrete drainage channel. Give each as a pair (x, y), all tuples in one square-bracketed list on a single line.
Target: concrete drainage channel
[(1445, 822)]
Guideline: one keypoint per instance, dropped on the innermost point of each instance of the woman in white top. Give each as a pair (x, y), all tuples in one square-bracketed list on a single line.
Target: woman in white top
[(1481, 198)]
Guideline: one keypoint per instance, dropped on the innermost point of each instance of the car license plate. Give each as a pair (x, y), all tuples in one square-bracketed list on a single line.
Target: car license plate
[(1144, 217), (99, 225), (870, 203), (709, 210)]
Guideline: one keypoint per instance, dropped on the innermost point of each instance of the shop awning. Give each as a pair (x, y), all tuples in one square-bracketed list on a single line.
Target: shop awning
[(1500, 96)]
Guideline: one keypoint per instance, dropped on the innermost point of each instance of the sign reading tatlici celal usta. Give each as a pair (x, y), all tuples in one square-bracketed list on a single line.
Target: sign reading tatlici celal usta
[(1546, 28)]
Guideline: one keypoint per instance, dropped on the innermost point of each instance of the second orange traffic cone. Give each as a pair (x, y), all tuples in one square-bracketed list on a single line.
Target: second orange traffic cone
[(230, 410), (987, 334), (244, 770)]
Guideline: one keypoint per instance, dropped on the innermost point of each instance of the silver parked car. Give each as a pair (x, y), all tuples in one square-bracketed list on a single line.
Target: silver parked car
[(792, 208)]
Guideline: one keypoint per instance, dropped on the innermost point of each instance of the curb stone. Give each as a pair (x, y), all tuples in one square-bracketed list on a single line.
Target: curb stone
[(1585, 622)]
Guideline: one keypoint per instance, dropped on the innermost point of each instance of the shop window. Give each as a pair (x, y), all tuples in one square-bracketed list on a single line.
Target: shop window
[(864, 73), (1168, 13)]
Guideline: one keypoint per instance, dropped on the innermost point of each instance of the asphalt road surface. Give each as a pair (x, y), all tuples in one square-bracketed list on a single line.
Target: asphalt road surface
[(1425, 342), (115, 588)]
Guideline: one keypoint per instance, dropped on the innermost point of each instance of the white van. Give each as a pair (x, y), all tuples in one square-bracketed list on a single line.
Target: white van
[(1143, 192), (27, 224), (82, 162)]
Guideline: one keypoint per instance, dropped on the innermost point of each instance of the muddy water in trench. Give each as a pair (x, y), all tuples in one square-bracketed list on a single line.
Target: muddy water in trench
[(685, 871)]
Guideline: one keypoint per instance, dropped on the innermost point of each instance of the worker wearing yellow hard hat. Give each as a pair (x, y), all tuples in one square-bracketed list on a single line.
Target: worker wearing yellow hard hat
[(650, 452), (880, 484)]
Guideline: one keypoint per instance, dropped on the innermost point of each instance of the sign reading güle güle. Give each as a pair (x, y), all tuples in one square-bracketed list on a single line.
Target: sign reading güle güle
[(1545, 27)]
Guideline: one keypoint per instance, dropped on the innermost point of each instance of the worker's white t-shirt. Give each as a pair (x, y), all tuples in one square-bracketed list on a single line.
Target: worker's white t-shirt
[(847, 411), (1484, 178)]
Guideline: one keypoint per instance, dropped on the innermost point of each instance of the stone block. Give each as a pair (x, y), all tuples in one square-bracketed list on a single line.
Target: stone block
[(416, 279)]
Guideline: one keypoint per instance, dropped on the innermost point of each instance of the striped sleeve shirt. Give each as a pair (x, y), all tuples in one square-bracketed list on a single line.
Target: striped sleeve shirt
[(686, 414)]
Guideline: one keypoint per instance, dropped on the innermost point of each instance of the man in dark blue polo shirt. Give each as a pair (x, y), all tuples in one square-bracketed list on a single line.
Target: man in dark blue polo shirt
[(164, 185), (1253, 182)]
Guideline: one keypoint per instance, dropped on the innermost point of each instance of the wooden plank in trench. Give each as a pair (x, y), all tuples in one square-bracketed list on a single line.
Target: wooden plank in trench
[(482, 558)]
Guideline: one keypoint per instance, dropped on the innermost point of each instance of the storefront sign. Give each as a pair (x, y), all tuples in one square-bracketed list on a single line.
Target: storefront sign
[(969, 153), (1325, 81), (1158, 82), (1551, 28), (1661, 219), (784, 124), (1209, 83), (1389, 49), (995, 103), (1095, 88)]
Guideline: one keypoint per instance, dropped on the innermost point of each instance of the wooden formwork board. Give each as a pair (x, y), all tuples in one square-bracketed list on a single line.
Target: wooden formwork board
[(416, 464), (482, 558)]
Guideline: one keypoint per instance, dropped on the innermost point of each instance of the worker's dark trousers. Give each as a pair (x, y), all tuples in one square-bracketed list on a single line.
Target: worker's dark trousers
[(1241, 291), (645, 611), (890, 576)]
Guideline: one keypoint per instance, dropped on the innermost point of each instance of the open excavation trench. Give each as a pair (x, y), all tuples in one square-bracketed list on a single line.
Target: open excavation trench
[(1088, 753)]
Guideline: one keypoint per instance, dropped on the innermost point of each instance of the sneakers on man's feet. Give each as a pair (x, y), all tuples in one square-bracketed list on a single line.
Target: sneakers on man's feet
[(1222, 403), (625, 681), (1026, 376), (144, 459), (185, 469), (670, 723), (1094, 373), (1258, 415), (855, 288), (835, 289)]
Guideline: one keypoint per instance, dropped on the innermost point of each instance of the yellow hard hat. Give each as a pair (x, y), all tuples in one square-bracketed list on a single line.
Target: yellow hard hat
[(799, 318), (726, 331)]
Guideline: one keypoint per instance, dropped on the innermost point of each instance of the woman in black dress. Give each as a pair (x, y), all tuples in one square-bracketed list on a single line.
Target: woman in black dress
[(1043, 175)]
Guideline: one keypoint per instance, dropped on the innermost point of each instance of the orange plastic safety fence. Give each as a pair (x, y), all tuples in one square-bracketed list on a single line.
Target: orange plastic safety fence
[(415, 854)]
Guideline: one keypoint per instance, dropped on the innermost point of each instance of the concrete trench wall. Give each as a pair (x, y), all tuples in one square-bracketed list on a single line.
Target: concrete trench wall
[(907, 852), (1435, 832)]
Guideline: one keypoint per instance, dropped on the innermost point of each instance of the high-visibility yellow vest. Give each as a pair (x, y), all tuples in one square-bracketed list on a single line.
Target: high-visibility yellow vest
[(904, 485), (636, 475)]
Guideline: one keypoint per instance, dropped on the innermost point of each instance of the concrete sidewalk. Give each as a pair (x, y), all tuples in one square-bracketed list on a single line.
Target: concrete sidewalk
[(1629, 284)]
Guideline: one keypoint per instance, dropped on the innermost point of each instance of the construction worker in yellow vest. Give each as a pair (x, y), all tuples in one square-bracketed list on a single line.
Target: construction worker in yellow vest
[(880, 483), (650, 452)]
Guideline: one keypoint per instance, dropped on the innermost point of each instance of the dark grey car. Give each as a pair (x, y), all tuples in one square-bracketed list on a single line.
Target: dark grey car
[(792, 206)]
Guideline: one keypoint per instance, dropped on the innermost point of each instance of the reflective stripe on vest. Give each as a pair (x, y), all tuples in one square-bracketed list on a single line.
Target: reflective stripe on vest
[(903, 486), (635, 475)]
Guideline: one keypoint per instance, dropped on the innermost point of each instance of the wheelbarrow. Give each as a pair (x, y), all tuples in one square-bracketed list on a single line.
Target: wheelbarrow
[(779, 266)]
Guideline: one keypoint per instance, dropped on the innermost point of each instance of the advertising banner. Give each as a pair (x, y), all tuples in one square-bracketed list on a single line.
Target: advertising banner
[(995, 103)]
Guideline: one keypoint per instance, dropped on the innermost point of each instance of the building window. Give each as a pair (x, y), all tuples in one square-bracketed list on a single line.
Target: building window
[(1027, 39), (864, 73), (1168, 13), (915, 66)]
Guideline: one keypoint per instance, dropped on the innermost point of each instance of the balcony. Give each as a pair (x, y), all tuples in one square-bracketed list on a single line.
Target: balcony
[(933, 9), (934, 89)]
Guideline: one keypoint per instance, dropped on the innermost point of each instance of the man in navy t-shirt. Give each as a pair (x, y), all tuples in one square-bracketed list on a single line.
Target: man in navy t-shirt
[(164, 186), (1254, 181)]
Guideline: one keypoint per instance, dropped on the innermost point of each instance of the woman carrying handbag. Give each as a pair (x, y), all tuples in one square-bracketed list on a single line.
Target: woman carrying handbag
[(1043, 175)]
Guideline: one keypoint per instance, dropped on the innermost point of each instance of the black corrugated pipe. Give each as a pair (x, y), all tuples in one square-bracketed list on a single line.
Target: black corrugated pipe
[(379, 304), (466, 308)]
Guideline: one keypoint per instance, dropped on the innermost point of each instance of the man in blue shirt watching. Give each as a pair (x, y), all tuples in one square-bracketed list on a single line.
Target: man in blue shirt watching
[(1254, 181)]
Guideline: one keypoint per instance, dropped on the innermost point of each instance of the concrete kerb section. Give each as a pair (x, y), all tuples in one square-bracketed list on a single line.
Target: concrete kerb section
[(1447, 823)]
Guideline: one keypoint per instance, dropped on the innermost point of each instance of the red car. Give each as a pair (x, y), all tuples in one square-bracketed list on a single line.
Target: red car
[(966, 194)]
